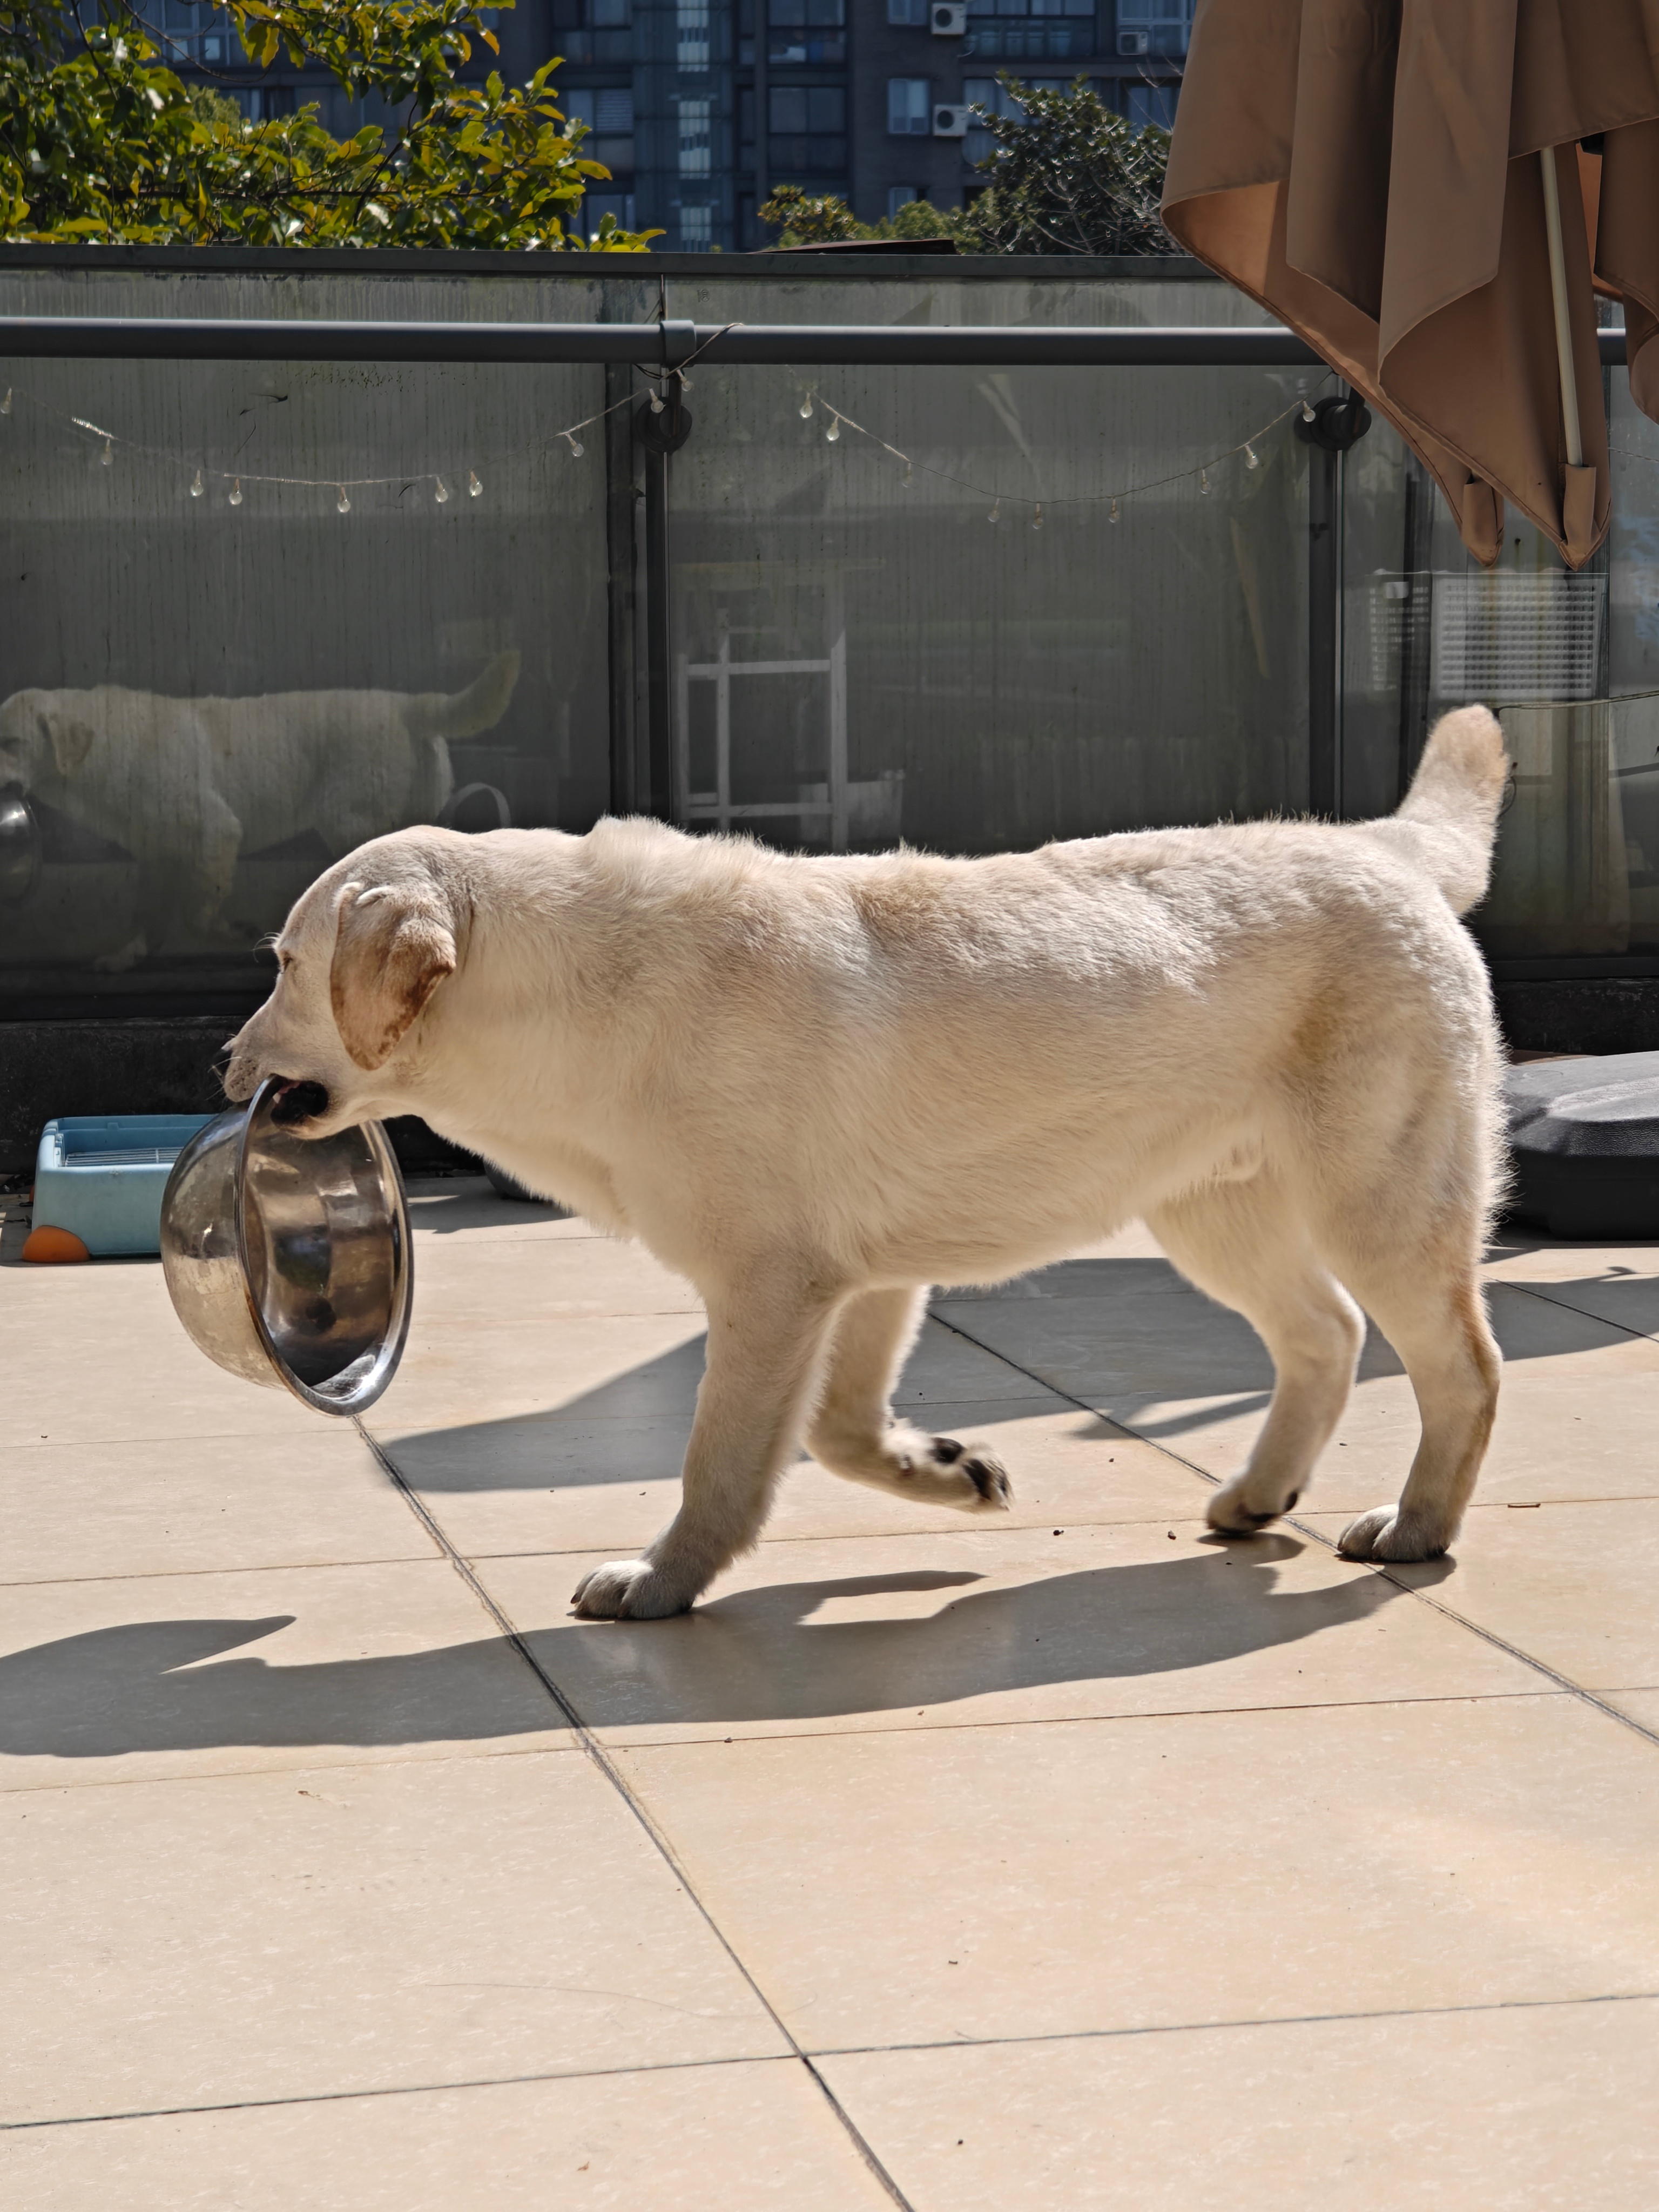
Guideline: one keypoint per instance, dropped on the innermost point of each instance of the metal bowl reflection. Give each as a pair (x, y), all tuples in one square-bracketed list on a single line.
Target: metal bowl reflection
[(287, 1258), (19, 845)]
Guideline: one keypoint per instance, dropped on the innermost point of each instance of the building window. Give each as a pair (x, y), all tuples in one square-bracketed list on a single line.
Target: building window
[(808, 124), (196, 36), (691, 33), (1030, 30), (608, 112), (598, 205), (1151, 103), (900, 195), (910, 14), (696, 230), (1167, 23), (806, 31), (697, 138), (909, 106)]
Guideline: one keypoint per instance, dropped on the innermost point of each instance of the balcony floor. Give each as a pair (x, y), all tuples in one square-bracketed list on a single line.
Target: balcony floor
[(1077, 1859)]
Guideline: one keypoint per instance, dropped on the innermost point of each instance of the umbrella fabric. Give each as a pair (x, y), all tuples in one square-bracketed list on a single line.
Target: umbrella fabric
[(1369, 170)]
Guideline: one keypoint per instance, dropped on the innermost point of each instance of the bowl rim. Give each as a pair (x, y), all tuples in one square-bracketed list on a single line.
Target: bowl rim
[(375, 1382)]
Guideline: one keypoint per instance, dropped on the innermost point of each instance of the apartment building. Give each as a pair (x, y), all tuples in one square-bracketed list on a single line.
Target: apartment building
[(700, 107)]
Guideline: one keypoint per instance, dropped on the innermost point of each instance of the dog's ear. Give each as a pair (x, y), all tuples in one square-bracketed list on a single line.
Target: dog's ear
[(393, 945), (71, 741)]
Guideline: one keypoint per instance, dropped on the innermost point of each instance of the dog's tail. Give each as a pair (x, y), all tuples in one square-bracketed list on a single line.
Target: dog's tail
[(1447, 820), (467, 713)]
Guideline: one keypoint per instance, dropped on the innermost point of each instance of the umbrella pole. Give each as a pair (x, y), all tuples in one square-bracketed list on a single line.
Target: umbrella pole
[(1575, 440)]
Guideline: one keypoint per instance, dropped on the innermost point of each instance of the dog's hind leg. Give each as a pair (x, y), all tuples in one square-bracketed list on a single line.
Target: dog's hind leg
[(766, 1343), (853, 1433), (1425, 1296), (1246, 1244)]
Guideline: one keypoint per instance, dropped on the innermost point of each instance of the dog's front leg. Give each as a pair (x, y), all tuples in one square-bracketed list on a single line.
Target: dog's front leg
[(765, 1343)]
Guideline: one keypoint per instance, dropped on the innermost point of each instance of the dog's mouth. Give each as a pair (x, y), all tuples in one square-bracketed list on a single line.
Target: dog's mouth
[(298, 1102)]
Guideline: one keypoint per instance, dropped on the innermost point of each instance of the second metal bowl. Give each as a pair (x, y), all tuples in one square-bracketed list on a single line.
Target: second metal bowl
[(287, 1258)]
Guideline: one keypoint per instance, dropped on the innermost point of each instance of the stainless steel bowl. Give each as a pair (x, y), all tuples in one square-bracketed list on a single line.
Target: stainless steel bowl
[(19, 845), (287, 1258)]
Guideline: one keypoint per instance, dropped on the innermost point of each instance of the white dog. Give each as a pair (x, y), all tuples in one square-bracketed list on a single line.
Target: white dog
[(188, 785), (815, 1086)]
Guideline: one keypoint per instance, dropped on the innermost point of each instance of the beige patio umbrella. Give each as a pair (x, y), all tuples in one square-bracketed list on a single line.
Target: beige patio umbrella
[(1406, 184)]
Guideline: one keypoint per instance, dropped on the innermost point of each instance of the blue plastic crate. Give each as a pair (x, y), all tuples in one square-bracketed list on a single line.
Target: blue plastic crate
[(101, 1177)]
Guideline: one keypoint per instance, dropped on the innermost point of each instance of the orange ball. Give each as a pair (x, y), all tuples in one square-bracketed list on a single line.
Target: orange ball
[(54, 1248)]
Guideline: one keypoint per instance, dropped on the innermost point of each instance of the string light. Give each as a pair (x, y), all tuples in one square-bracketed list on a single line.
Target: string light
[(995, 515), (806, 408), (343, 503), (1204, 481), (1112, 516), (196, 486), (5, 403), (1252, 460), (657, 403), (108, 460), (441, 491), (571, 439), (908, 477), (1307, 412), (1036, 520), (475, 489), (834, 431), (236, 493)]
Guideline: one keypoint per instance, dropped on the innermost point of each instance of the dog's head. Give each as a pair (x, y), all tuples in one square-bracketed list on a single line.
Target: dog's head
[(361, 957), (42, 740)]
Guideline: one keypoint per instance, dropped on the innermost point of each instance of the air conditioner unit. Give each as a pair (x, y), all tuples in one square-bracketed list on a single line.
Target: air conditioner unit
[(952, 122), (949, 19), (1132, 42)]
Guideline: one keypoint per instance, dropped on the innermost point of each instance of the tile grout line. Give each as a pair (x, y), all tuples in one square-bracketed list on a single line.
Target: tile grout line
[(607, 1766), (1488, 1636), (846, 2050)]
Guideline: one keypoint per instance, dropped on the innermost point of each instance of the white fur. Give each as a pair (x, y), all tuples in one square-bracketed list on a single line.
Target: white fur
[(187, 786), (816, 1085)]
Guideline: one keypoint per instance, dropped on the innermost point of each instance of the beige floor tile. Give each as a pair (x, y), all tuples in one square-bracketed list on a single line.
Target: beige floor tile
[(1533, 2110), (977, 1883), (591, 1366), (979, 1626), (1521, 1255), (546, 1276), (95, 1354), (1572, 1585), (743, 2135), (566, 1486), (72, 1511), (318, 1931), (208, 1673), (1554, 1439), (1642, 1706)]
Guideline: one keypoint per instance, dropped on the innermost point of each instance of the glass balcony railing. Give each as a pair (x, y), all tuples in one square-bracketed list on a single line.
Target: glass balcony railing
[(258, 611)]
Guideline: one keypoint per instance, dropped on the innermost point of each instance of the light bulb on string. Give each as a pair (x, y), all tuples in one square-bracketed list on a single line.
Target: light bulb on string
[(1036, 520), (805, 407), (657, 403), (5, 403), (196, 486), (474, 489), (685, 376), (108, 460), (573, 442), (1204, 481), (1252, 459), (834, 431), (1307, 412), (441, 491), (1112, 516), (995, 515), (236, 492), (908, 477), (343, 505)]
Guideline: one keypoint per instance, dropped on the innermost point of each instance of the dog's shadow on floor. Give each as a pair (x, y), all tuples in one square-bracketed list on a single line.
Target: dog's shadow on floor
[(766, 1655)]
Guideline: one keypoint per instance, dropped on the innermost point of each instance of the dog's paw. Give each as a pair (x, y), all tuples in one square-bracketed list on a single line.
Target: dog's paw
[(1387, 1533), (630, 1589), (949, 1473), (1242, 1506)]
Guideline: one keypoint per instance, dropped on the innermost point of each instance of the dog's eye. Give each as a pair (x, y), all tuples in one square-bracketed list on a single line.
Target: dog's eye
[(284, 961)]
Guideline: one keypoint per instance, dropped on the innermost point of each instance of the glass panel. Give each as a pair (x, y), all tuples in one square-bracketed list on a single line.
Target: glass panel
[(981, 658), (261, 613)]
